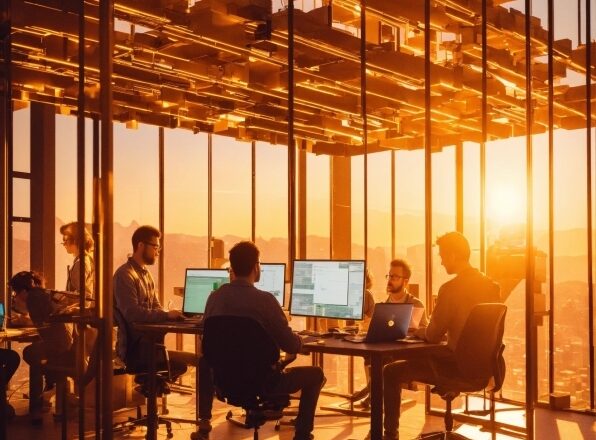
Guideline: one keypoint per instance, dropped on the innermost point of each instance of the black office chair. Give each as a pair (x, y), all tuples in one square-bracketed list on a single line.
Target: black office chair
[(244, 362), (163, 376), (479, 359)]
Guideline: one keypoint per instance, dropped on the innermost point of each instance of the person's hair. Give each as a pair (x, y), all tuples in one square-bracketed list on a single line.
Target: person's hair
[(243, 257), (405, 267), (144, 234), (368, 279), (71, 230), (25, 280), (455, 243)]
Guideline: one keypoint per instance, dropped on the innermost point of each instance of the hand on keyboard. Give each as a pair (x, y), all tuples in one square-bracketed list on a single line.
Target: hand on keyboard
[(310, 333)]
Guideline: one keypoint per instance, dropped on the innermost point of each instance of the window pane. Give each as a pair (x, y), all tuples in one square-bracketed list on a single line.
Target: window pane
[(21, 122), (317, 206)]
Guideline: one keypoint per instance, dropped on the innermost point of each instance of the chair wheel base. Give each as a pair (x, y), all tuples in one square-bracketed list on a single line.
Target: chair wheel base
[(446, 435)]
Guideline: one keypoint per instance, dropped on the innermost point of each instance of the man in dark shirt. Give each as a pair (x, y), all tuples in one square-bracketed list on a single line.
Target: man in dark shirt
[(241, 298), (455, 300), (135, 300), (56, 338)]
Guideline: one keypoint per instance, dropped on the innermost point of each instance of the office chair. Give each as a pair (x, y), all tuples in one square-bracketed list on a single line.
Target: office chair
[(479, 360), (163, 376), (244, 360)]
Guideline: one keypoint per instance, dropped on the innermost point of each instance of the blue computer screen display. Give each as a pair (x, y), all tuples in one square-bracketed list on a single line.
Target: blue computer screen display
[(273, 280), (328, 289), (198, 285)]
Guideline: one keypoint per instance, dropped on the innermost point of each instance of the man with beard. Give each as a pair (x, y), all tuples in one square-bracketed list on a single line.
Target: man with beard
[(135, 300), (397, 287)]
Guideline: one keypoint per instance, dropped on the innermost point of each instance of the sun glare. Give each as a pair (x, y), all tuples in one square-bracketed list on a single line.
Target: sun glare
[(505, 205)]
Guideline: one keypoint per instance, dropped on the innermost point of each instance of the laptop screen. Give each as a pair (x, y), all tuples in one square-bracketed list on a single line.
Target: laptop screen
[(273, 280), (198, 285), (2, 315)]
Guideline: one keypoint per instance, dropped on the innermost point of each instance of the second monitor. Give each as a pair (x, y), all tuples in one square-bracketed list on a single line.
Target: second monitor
[(198, 285), (273, 277), (328, 289)]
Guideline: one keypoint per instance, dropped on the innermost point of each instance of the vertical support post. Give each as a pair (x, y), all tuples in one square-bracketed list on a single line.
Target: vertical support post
[(43, 190), (484, 110), (364, 116), (530, 329), (80, 349), (427, 161), (551, 212), (301, 203), (106, 211), (162, 215), (253, 191), (291, 142), (209, 199), (589, 187), (393, 203)]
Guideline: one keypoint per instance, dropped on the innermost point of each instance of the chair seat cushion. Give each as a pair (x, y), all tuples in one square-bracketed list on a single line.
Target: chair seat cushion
[(456, 385)]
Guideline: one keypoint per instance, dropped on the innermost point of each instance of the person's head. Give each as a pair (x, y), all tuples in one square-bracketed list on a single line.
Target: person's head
[(244, 261), (398, 276), (454, 251), (146, 244), (70, 238), (20, 284)]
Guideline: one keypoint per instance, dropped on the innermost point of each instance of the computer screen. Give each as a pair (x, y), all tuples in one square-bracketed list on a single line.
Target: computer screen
[(198, 284), (273, 280), (328, 289), (2, 315)]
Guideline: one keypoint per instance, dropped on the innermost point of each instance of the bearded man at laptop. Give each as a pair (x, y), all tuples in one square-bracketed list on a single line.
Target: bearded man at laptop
[(455, 300)]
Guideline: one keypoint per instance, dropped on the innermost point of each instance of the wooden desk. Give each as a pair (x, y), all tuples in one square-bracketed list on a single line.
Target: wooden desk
[(21, 334), (377, 352), (154, 331)]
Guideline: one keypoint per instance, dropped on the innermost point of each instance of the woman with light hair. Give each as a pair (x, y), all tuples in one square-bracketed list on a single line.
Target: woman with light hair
[(70, 241)]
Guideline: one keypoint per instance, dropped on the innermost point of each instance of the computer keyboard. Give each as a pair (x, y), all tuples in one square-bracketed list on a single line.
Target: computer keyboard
[(311, 333)]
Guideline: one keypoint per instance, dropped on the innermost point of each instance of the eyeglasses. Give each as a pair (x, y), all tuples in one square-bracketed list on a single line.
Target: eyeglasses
[(394, 277), (155, 246)]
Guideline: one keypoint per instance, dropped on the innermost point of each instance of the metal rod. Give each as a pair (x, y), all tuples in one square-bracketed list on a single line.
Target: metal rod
[(97, 260), (393, 202), (530, 333), (364, 117), (589, 195), (484, 111), (291, 142), (106, 216), (162, 215), (551, 215), (80, 349), (427, 161), (209, 199), (253, 191)]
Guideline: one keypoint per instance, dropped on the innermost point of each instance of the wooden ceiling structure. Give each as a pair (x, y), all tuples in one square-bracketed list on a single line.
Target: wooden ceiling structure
[(221, 66)]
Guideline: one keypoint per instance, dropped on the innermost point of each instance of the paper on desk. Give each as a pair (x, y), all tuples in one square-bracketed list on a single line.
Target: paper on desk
[(417, 313)]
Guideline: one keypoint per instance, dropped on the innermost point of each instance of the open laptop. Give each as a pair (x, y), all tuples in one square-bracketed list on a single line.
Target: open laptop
[(389, 323), (2, 318), (198, 285)]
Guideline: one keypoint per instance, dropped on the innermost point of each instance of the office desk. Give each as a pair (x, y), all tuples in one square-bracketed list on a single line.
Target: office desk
[(377, 352), (154, 331)]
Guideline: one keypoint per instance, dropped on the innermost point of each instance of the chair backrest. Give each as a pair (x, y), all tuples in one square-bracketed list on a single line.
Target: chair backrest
[(243, 358), (480, 347)]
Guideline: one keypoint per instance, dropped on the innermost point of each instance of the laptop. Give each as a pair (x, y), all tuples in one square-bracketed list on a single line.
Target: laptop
[(389, 323), (198, 285), (2, 318)]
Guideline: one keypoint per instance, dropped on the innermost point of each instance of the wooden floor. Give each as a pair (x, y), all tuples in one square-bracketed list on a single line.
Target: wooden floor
[(334, 427)]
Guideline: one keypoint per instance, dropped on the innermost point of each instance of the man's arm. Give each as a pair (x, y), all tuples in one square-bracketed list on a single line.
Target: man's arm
[(281, 332), (439, 320), (127, 299)]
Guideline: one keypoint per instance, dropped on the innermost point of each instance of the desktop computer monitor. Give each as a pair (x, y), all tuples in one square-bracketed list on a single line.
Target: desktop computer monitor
[(272, 280), (198, 285), (328, 289)]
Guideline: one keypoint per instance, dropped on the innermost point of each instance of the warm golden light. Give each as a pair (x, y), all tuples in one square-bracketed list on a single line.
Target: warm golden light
[(505, 204)]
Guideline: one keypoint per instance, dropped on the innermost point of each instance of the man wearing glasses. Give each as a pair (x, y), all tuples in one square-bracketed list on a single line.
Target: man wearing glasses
[(397, 287), (135, 300)]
